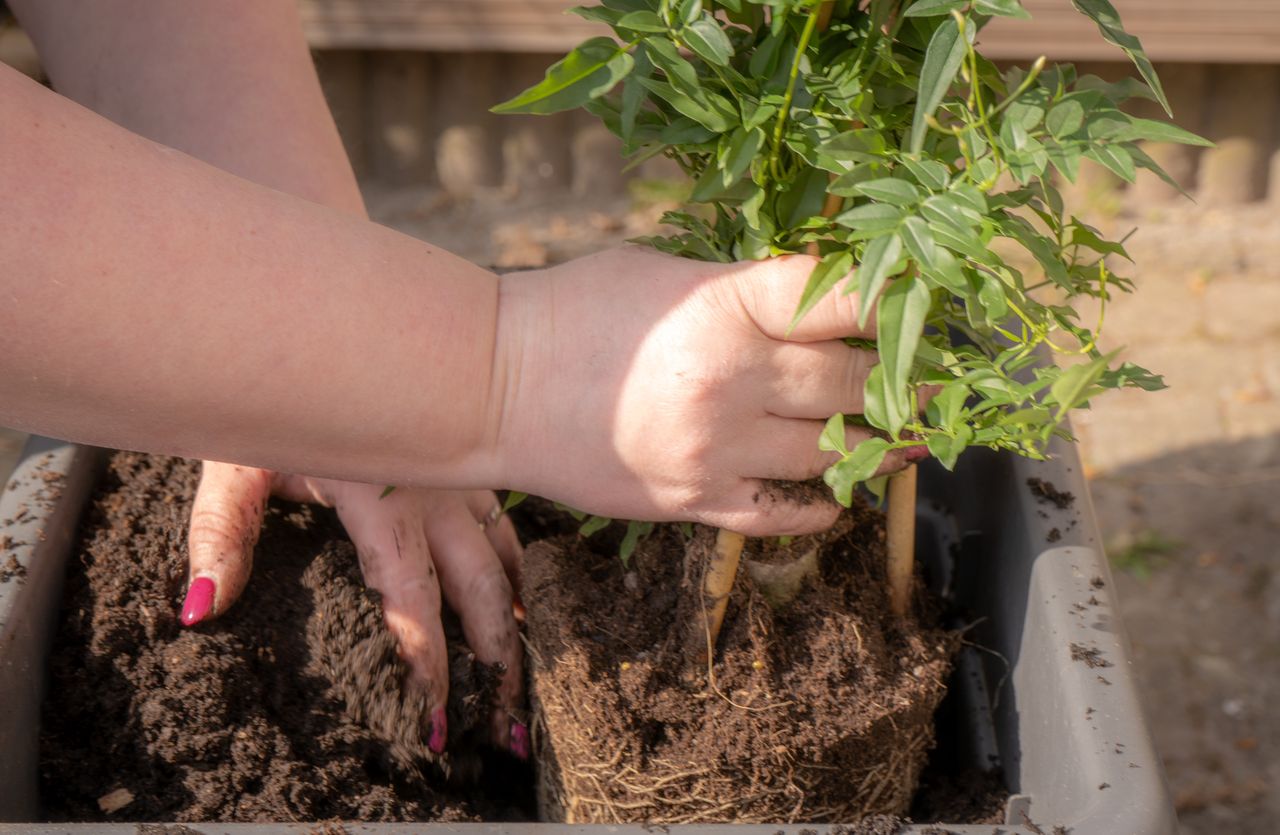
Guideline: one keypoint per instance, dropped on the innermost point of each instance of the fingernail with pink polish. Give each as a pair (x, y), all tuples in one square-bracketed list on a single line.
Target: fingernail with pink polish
[(916, 453), (520, 740), (439, 731), (199, 601)]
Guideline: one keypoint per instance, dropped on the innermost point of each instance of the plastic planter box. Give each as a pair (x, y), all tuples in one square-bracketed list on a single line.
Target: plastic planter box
[(1070, 737)]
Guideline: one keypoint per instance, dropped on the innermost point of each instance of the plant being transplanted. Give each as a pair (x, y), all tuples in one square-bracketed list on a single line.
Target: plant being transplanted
[(886, 109), (873, 135)]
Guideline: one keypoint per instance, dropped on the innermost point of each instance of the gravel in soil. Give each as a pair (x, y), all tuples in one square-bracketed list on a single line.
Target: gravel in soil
[(288, 707)]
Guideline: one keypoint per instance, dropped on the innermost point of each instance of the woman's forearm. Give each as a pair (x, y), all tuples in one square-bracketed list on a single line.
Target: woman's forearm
[(152, 301), (230, 82)]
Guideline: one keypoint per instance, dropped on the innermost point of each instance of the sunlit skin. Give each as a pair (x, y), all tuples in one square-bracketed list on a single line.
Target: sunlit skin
[(198, 279)]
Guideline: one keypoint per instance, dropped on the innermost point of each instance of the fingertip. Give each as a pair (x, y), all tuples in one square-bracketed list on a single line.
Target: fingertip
[(439, 734), (520, 743), (199, 601)]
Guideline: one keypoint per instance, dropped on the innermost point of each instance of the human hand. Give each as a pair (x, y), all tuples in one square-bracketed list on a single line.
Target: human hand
[(642, 386), (413, 545)]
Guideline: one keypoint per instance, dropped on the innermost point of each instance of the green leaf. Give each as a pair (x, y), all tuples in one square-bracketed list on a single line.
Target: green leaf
[(858, 466), (941, 63), (589, 71), (947, 448), (943, 208), (899, 323), (635, 532), (890, 190), (829, 271), (1001, 8), (714, 112), (642, 21), (933, 8), (1157, 131), (1105, 15), (593, 524), (871, 218), (878, 262), (862, 145), (929, 173), (633, 96), (919, 240), (1114, 158), (680, 73), (514, 498), (708, 41), (1143, 160), (832, 438), (944, 409), (1066, 117), (386, 491), (1074, 386), (741, 152)]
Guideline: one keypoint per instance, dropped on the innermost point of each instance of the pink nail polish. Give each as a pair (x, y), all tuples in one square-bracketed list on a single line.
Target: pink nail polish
[(439, 731), (199, 601), (520, 740), (916, 453)]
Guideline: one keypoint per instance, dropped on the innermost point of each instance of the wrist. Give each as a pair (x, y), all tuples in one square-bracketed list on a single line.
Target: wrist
[(519, 381)]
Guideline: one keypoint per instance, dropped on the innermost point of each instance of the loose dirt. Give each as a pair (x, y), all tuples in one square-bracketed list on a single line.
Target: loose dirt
[(288, 707)]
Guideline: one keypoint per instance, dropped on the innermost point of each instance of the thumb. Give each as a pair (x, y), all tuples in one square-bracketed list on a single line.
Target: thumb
[(771, 292), (226, 519)]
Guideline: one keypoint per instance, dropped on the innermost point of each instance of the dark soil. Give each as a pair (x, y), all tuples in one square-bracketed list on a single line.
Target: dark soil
[(1091, 656), (288, 707), (830, 692), (1046, 493)]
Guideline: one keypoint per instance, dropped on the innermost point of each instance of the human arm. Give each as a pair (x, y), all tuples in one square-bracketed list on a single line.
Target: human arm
[(233, 85)]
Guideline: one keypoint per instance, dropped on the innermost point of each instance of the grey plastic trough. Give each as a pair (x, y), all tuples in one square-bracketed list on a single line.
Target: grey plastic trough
[(1071, 738)]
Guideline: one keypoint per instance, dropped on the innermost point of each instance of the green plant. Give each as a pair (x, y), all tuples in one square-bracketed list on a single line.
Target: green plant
[(923, 152)]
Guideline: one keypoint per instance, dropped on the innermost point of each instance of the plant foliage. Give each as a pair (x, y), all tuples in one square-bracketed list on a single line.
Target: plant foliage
[(875, 134)]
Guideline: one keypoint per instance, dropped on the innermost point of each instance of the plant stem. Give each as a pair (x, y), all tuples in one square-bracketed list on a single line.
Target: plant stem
[(901, 538), (810, 26)]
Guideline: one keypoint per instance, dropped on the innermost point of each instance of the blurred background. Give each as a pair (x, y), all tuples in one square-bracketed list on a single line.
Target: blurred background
[(1186, 482)]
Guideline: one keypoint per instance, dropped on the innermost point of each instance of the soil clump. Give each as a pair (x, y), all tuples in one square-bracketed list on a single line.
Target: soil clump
[(288, 707), (820, 710)]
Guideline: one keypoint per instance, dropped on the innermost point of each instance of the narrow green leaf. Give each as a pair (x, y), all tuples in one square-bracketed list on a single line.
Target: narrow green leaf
[(708, 41), (1073, 387), (1001, 8), (1116, 159), (862, 145), (931, 174), (593, 524), (514, 498), (891, 190), (642, 21), (386, 491), (829, 271), (943, 208), (941, 63), (872, 218), (635, 532), (1157, 131), (633, 96), (589, 71), (899, 323), (878, 261), (1107, 18), (933, 8), (714, 112), (919, 240), (741, 152), (680, 73)]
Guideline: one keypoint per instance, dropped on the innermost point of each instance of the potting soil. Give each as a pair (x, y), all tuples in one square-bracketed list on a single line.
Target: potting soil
[(287, 707)]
